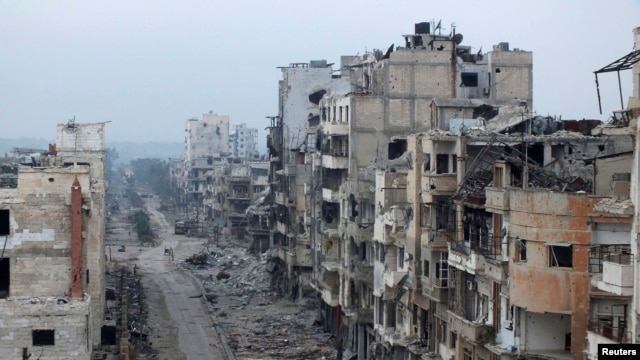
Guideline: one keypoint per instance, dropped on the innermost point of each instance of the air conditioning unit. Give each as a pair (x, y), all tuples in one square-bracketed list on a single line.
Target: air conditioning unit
[(508, 324), (471, 285)]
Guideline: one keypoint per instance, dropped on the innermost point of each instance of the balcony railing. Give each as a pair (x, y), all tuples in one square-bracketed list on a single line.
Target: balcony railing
[(620, 335)]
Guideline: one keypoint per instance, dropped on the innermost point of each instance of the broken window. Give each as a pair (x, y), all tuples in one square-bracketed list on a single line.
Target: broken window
[(43, 337), (469, 79), (467, 354), (521, 250), (346, 113), (401, 258), (316, 96), (560, 255), (425, 268), (453, 340), (442, 270), (4, 223), (353, 206), (427, 162), (4, 278), (442, 163), (397, 148)]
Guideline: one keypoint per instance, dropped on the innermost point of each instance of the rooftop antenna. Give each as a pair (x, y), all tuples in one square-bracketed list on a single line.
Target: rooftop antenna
[(71, 123), (438, 27)]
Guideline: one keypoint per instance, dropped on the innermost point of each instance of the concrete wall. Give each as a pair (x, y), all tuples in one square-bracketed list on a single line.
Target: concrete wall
[(545, 331), (207, 136), (543, 217), (605, 168), (70, 322), (515, 78), (80, 137)]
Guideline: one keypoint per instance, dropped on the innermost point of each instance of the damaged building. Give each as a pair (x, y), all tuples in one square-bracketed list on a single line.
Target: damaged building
[(52, 227), (442, 218)]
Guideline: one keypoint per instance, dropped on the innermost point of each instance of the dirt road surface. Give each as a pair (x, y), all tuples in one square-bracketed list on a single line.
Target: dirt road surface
[(195, 313)]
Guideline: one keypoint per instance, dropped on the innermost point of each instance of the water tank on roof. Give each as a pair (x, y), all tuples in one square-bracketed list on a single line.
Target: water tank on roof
[(318, 63), (423, 28)]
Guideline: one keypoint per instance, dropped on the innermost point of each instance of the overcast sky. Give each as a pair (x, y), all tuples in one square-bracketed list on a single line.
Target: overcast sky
[(149, 65)]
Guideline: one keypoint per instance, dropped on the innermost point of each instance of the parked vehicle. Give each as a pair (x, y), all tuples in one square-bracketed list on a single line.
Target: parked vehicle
[(180, 227)]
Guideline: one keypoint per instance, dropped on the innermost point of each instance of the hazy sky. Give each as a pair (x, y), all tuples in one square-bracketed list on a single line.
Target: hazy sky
[(149, 65)]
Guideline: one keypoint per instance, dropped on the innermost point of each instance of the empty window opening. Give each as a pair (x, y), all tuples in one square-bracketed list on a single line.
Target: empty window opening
[(43, 337), (498, 177), (401, 257), (108, 335), (454, 163), (522, 248), (4, 223), (561, 255), (316, 96), (425, 268), (469, 79), (442, 163), (397, 148), (427, 162), (4, 278), (453, 340), (353, 206)]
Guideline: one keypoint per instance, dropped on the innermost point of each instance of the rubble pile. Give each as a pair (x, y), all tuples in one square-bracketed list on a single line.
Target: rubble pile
[(257, 322)]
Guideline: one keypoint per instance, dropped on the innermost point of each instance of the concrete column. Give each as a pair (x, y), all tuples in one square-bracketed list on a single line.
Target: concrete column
[(77, 288)]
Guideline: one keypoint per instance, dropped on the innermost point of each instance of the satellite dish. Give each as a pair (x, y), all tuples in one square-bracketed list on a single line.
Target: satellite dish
[(457, 38)]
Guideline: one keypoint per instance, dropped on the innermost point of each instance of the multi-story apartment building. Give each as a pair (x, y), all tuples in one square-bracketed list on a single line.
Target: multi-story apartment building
[(363, 132), (445, 219), (302, 87), (243, 142), (206, 146), (52, 226)]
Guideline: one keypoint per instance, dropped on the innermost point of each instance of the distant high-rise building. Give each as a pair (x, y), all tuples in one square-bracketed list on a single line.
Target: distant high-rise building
[(243, 141)]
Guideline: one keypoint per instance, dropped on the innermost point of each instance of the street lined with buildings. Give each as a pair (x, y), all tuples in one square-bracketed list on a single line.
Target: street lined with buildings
[(411, 206)]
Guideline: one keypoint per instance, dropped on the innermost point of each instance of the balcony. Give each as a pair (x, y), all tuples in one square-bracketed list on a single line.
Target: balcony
[(392, 278), (335, 162), (617, 275), (603, 333), (280, 198), (436, 239), (476, 333), (330, 195), (335, 128), (497, 200), (436, 290), (359, 315), (360, 271), (464, 258), (440, 184), (330, 293)]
